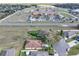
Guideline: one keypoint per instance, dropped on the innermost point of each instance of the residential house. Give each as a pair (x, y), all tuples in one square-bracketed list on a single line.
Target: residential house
[(77, 38), (42, 14), (33, 45), (38, 53), (69, 34), (8, 52)]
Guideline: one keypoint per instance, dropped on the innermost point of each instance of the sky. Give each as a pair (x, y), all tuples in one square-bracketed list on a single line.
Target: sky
[(39, 1)]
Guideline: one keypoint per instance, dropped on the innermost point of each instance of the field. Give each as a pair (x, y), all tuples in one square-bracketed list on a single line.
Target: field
[(14, 36), (11, 38)]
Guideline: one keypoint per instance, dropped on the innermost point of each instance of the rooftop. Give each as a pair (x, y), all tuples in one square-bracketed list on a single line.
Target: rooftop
[(38, 53), (33, 44), (8, 52)]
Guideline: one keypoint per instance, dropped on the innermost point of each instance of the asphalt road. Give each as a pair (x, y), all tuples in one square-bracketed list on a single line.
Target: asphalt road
[(39, 24)]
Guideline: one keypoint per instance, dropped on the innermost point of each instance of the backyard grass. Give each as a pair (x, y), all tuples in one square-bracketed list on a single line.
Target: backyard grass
[(74, 50)]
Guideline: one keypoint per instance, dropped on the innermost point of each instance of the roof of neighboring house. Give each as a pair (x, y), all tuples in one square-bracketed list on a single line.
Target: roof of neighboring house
[(77, 38), (41, 11), (10, 52), (38, 53), (33, 44), (36, 13), (76, 10), (61, 47), (70, 33)]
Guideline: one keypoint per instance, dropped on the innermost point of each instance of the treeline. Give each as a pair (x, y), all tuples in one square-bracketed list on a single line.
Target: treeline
[(68, 5), (11, 8)]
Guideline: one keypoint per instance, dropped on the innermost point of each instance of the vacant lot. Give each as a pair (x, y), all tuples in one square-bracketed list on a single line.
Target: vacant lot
[(11, 38), (14, 36)]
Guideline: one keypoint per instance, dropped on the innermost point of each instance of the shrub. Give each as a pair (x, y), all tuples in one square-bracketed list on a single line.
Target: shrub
[(38, 35)]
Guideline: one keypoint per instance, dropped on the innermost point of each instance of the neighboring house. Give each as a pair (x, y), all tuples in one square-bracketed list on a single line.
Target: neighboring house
[(66, 34), (70, 34), (33, 45), (77, 38), (75, 10), (8, 52), (61, 47), (42, 14), (38, 53)]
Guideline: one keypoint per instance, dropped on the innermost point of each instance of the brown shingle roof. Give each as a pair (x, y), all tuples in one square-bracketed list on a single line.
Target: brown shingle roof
[(33, 44)]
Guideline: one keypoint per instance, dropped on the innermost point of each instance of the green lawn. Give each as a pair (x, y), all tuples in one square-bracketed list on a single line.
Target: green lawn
[(74, 50)]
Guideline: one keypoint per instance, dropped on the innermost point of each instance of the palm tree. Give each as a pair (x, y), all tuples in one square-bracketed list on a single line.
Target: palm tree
[(54, 37), (61, 33)]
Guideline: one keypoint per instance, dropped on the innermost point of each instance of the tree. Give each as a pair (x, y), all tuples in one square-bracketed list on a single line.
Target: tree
[(40, 35), (34, 5), (23, 53), (50, 50), (62, 33), (54, 37)]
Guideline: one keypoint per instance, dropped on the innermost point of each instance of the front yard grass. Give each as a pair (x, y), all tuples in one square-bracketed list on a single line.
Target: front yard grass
[(74, 50)]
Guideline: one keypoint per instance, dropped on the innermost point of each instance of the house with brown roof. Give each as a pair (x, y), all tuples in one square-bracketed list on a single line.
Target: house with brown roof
[(33, 45)]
